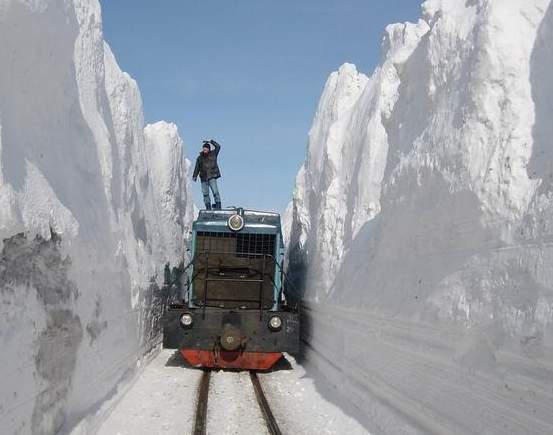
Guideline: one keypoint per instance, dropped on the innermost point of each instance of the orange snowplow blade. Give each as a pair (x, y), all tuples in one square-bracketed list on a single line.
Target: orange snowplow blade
[(231, 360)]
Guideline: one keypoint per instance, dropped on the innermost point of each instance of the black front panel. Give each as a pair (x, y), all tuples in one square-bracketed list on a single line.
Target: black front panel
[(207, 329), (234, 270)]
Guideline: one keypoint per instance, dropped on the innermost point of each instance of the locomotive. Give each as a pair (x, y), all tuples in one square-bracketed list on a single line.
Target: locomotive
[(234, 310)]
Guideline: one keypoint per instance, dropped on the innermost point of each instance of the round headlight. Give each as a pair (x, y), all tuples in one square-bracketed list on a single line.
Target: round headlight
[(186, 320), (275, 323), (235, 222)]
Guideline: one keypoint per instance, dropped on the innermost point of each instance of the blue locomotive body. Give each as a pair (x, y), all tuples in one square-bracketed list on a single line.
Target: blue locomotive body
[(234, 312)]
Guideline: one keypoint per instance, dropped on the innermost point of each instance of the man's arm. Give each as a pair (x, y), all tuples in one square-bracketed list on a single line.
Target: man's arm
[(216, 145), (196, 169)]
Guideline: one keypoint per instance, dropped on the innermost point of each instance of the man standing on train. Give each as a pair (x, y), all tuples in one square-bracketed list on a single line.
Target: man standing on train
[(208, 170)]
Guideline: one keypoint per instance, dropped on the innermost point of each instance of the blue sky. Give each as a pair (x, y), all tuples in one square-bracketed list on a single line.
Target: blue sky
[(248, 73)]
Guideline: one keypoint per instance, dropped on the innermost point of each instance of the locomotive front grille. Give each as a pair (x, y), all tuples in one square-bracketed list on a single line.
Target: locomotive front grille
[(239, 244)]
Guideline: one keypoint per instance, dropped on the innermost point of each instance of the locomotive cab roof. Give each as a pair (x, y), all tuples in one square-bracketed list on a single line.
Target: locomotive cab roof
[(254, 221)]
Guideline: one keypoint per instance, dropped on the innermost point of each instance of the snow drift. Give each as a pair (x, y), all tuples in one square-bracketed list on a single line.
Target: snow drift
[(92, 206), (422, 222)]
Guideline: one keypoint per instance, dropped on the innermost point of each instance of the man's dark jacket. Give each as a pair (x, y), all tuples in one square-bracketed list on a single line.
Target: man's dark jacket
[(206, 165)]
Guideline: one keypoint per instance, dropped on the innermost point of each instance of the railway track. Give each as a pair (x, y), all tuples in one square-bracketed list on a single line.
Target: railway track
[(200, 425), (268, 416)]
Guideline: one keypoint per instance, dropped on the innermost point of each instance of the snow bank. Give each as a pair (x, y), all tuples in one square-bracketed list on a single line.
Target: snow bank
[(422, 220), (91, 208), (171, 189)]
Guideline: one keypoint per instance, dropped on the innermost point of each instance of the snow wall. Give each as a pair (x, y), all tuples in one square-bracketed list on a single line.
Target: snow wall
[(422, 224), (92, 205)]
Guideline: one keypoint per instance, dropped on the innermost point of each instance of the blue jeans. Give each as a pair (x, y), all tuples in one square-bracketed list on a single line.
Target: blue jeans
[(206, 185)]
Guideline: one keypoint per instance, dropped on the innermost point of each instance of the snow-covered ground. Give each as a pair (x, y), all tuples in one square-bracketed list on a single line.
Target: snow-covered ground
[(162, 400), (92, 206), (300, 408), (421, 223), (232, 406)]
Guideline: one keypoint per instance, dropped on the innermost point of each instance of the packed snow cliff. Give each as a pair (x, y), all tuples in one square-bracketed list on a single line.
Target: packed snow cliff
[(92, 206), (424, 214)]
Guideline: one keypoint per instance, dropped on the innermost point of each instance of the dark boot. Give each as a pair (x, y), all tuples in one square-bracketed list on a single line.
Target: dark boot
[(207, 206), (217, 206)]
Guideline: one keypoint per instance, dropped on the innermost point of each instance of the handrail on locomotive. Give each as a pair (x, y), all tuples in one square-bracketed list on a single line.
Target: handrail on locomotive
[(173, 280)]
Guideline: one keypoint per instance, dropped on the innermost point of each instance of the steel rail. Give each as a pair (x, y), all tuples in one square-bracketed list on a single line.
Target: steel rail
[(200, 424), (270, 420)]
